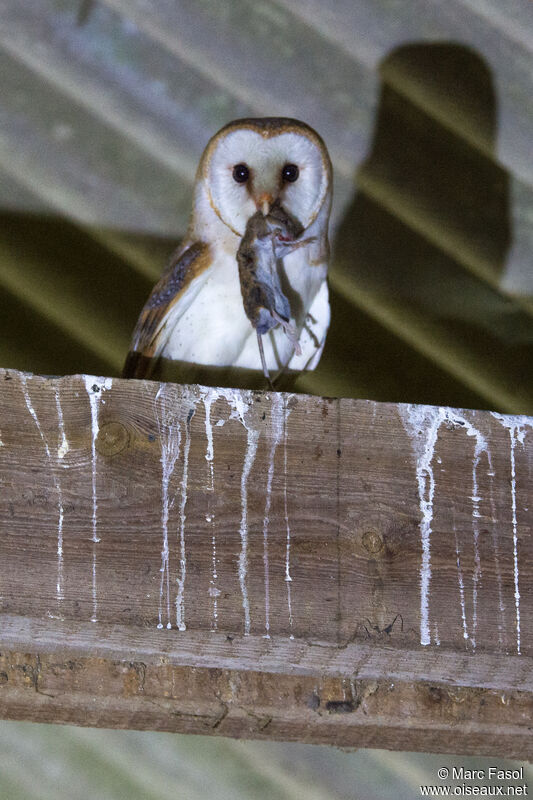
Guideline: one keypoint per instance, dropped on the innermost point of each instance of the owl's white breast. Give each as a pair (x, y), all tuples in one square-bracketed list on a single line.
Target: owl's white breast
[(209, 327)]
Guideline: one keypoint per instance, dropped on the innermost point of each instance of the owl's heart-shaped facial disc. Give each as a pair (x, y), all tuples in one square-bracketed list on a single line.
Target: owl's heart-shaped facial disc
[(247, 171)]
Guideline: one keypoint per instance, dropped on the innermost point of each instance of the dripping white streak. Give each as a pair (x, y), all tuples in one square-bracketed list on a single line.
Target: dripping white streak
[(480, 448), (516, 425), (288, 579), (209, 397), (277, 420), (62, 449), (512, 433), (461, 587), (495, 545), (419, 419), (94, 387), (170, 449), (251, 450), (239, 402), (29, 406), (57, 485), (180, 611), (213, 590)]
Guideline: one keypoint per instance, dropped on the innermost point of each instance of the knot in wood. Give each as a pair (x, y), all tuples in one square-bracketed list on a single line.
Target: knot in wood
[(112, 438), (372, 541), (435, 694)]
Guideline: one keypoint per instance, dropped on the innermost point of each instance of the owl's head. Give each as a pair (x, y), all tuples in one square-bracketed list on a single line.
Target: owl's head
[(252, 163)]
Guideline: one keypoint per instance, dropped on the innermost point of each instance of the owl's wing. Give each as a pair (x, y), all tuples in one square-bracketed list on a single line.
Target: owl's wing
[(151, 331)]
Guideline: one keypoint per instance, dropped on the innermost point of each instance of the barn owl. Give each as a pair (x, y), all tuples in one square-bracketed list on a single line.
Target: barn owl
[(195, 315)]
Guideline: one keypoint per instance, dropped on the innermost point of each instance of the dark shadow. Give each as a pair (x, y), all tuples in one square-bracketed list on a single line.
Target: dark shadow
[(69, 295), (423, 244)]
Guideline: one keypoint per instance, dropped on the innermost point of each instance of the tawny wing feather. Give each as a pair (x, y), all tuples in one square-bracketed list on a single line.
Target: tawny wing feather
[(151, 333)]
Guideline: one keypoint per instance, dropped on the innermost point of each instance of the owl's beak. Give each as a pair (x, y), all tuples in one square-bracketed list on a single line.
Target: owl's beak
[(264, 203)]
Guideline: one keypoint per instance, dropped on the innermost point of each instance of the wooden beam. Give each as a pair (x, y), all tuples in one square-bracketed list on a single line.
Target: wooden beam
[(265, 565)]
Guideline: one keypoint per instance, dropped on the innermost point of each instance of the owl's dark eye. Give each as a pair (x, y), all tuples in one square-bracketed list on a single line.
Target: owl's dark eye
[(241, 173), (290, 173)]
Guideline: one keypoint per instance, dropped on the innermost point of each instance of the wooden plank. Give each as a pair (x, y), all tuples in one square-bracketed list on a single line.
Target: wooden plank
[(265, 565)]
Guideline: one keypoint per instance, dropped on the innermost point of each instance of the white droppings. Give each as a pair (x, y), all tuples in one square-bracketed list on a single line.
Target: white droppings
[(424, 420), (422, 424), (461, 587), (214, 592), (495, 544), (170, 439), (29, 406), (480, 448), (209, 396), (277, 417), (57, 484), (516, 425), (62, 450), (180, 598), (63, 447), (496, 549), (239, 402), (94, 387), (288, 578), (251, 450)]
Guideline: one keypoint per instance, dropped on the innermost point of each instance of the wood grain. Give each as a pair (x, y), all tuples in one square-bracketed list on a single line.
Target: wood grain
[(265, 565)]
